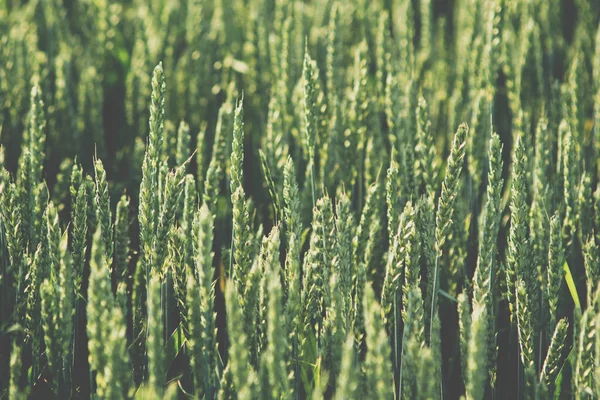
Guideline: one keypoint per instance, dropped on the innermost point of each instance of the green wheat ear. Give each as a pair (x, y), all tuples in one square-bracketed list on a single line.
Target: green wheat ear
[(274, 354), (556, 260), (244, 376), (237, 147), (14, 390), (106, 329), (155, 341), (200, 297), (378, 366), (519, 250), (102, 199), (157, 115), (476, 367), (555, 357), (445, 209), (310, 114), (347, 382)]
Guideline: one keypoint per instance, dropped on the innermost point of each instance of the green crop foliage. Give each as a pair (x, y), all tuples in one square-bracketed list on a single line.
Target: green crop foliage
[(256, 199)]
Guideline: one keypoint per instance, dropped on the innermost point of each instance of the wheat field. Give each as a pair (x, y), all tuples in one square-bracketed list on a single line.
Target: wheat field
[(270, 199)]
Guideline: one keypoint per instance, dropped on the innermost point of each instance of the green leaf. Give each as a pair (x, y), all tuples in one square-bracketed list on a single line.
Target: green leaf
[(571, 285), (144, 392), (448, 296), (309, 356), (174, 346), (558, 384)]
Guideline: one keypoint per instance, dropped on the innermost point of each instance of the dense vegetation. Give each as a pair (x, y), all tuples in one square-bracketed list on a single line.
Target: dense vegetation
[(263, 199)]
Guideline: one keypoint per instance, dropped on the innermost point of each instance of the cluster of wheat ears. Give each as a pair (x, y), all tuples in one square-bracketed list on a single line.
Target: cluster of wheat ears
[(269, 199)]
